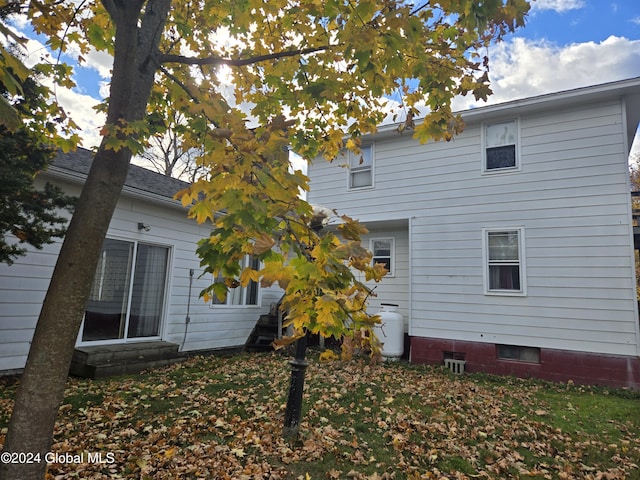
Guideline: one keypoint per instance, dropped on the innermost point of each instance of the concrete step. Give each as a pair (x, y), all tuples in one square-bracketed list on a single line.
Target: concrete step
[(123, 368), (106, 360)]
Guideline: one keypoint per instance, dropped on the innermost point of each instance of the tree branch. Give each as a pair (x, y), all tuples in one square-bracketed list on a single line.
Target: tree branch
[(239, 62), (417, 9)]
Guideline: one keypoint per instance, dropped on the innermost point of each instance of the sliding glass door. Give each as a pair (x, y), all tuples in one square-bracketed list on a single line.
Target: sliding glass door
[(128, 291)]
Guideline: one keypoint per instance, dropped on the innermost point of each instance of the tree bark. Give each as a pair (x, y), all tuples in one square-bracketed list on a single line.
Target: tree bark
[(138, 33)]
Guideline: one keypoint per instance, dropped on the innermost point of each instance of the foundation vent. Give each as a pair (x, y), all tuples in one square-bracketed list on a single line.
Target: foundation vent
[(456, 366)]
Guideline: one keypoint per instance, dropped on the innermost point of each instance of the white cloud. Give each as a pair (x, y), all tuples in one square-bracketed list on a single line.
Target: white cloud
[(80, 108), (105, 87), (101, 62), (523, 68), (557, 5), (77, 105)]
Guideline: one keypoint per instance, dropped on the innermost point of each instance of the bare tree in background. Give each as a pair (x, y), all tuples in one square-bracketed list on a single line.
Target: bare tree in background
[(634, 171), (167, 152)]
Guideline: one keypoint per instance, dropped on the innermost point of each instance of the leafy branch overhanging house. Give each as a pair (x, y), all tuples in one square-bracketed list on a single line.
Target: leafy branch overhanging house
[(510, 248)]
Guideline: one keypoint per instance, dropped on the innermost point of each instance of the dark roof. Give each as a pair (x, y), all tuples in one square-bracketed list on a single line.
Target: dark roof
[(138, 177)]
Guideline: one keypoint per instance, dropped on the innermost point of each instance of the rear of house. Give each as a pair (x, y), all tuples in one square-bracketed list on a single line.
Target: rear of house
[(510, 247), (147, 284)]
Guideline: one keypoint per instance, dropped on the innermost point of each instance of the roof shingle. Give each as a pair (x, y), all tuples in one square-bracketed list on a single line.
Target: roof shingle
[(140, 178)]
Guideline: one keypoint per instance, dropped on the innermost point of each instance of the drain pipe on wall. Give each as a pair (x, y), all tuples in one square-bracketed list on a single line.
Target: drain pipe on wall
[(187, 319)]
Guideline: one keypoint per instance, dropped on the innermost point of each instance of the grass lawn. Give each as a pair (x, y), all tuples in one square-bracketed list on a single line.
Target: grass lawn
[(221, 417)]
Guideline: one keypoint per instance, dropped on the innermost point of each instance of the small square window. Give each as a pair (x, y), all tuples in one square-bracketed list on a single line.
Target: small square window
[(501, 146), (361, 167), (383, 252)]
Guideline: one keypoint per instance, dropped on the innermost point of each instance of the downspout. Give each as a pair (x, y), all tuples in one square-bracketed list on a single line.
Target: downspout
[(410, 309), (187, 319)]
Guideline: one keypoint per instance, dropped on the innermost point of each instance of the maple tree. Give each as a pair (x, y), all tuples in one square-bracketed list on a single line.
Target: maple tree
[(305, 75)]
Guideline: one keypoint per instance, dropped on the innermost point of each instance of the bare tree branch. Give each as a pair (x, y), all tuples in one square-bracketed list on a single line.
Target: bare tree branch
[(239, 62)]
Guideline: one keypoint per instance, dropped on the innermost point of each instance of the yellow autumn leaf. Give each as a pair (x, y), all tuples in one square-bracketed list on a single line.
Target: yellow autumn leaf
[(238, 452), (170, 452), (262, 243), (249, 275), (328, 356)]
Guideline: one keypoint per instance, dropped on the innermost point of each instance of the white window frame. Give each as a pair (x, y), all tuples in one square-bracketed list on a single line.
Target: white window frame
[(355, 167), (486, 262), (245, 291), (392, 253), (485, 145)]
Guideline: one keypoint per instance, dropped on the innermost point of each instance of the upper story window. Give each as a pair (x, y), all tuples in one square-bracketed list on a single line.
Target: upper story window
[(236, 293), (383, 250), (501, 147), (361, 167), (504, 261)]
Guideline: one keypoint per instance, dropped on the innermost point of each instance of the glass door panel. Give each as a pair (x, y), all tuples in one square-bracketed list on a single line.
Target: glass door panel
[(106, 312), (147, 295)]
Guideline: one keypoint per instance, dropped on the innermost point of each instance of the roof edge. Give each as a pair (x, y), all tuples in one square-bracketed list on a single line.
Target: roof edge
[(609, 90), (80, 178)]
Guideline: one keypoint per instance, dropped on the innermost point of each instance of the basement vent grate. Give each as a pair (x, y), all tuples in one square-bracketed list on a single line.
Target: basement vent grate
[(456, 366)]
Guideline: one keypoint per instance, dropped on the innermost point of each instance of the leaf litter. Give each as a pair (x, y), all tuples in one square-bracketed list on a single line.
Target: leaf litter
[(221, 418)]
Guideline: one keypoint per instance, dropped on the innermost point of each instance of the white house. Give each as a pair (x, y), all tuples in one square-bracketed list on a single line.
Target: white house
[(510, 247), (146, 285)]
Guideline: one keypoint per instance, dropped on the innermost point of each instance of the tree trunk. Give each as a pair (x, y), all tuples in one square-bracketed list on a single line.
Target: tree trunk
[(43, 382)]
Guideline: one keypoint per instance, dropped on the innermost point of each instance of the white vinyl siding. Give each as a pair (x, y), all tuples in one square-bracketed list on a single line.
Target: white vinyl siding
[(392, 289), (572, 199)]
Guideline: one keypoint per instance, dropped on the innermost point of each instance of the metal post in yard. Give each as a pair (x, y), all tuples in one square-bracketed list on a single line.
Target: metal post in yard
[(293, 412)]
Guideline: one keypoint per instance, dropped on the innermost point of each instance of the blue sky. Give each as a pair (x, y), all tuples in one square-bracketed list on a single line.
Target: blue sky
[(593, 20), (566, 44)]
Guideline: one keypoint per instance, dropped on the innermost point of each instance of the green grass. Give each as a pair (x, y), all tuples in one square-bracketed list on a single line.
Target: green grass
[(219, 417)]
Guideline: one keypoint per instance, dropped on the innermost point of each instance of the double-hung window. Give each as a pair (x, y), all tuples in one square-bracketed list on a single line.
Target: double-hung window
[(501, 147), (383, 252), (361, 167), (236, 293), (504, 261)]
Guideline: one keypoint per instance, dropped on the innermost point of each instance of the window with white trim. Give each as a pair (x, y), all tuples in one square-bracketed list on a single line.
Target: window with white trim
[(361, 167), (504, 261), (501, 151), (237, 294), (383, 250)]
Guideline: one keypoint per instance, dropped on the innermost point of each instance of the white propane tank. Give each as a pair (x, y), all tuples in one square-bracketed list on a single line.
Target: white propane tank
[(390, 331)]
